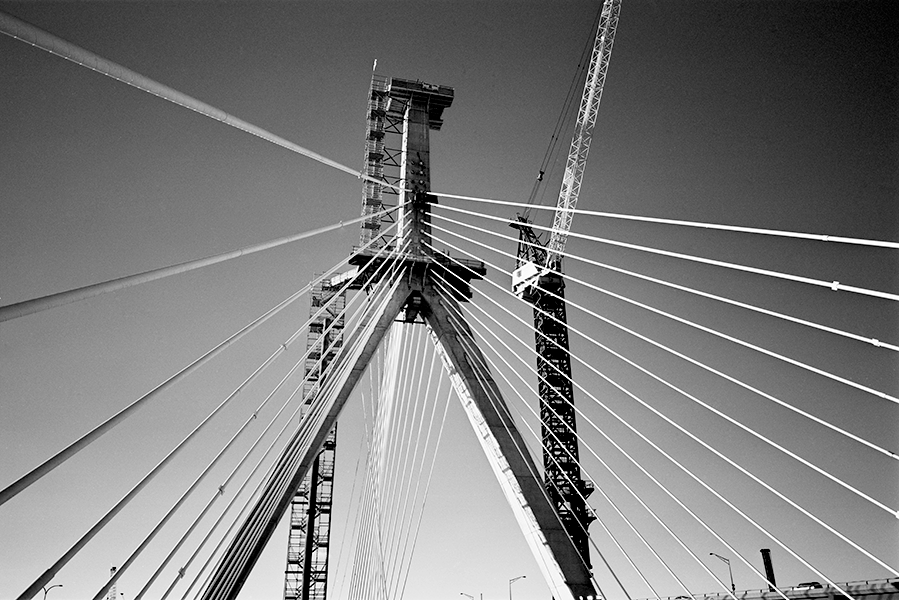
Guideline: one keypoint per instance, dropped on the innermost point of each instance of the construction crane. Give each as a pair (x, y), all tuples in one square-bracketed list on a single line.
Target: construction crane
[(538, 280)]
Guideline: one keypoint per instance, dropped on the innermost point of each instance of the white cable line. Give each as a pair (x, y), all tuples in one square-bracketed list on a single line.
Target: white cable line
[(364, 441), (27, 307), (652, 478), (833, 285), (301, 360), (717, 412), (398, 435), (63, 455), (579, 437), (419, 456), (729, 419), (417, 402), (695, 362), (390, 467), (428, 483), (283, 347), (20, 30), (515, 389), (254, 495), (482, 372), (774, 232), (776, 540), (310, 426), (404, 563), (313, 417), (356, 501), (259, 484), (745, 344), (868, 340)]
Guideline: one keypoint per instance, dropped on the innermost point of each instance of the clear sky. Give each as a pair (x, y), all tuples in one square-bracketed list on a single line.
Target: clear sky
[(765, 114)]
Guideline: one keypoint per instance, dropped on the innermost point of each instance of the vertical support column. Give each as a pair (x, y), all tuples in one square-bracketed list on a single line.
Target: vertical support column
[(415, 172)]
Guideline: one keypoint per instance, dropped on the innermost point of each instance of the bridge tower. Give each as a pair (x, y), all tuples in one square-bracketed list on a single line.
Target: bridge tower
[(421, 285)]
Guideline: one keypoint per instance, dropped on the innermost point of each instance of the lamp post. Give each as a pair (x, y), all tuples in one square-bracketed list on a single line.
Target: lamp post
[(47, 589), (469, 596), (513, 580), (733, 588)]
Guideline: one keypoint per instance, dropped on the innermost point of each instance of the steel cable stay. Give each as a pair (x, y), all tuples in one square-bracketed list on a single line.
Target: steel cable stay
[(39, 38), (442, 285), (694, 399), (407, 407), (568, 452), (300, 361), (310, 415), (833, 285), (400, 499), (387, 473), (63, 560), (481, 371), (709, 488), (873, 341), (365, 444), (227, 534), (27, 307), (364, 504), (63, 455), (621, 481), (237, 519), (772, 490), (349, 354), (309, 425), (734, 380), (401, 432), (735, 228), (419, 452), (405, 565), (370, 573), (716, 333), (283, 347), (354, 500), (589, 447), (430, 474)]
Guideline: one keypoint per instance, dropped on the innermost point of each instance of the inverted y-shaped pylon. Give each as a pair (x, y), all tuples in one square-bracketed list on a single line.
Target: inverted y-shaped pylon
[(418, 284)]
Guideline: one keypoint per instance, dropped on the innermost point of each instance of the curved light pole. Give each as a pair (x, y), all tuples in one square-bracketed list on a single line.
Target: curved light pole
[(469, 596), (513, 580), (733, 588), (47, 589)]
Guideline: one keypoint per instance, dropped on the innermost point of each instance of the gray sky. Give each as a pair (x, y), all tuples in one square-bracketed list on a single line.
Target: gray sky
[(763, 114)]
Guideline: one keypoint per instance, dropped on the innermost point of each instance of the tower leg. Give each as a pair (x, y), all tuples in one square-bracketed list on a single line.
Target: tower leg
[(564, 570), (296, 460)]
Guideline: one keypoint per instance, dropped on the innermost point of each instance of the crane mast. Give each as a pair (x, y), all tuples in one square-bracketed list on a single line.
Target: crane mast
[(538, 280)]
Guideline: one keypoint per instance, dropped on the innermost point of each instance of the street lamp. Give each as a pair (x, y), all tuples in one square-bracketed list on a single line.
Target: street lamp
[(47, 589), (733, 588), (513, 580), (469, 596)]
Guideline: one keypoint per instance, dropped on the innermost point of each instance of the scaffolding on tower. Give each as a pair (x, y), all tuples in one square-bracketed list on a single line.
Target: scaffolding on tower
[(306, 574)]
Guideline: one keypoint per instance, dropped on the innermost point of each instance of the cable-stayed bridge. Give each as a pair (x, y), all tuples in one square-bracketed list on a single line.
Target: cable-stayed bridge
[(69, 395)]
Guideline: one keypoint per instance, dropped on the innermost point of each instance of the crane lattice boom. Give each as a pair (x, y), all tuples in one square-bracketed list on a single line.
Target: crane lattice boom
[(583, 131)]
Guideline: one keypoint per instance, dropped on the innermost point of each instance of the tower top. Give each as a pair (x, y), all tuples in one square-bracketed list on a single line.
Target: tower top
[(402, 91)]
